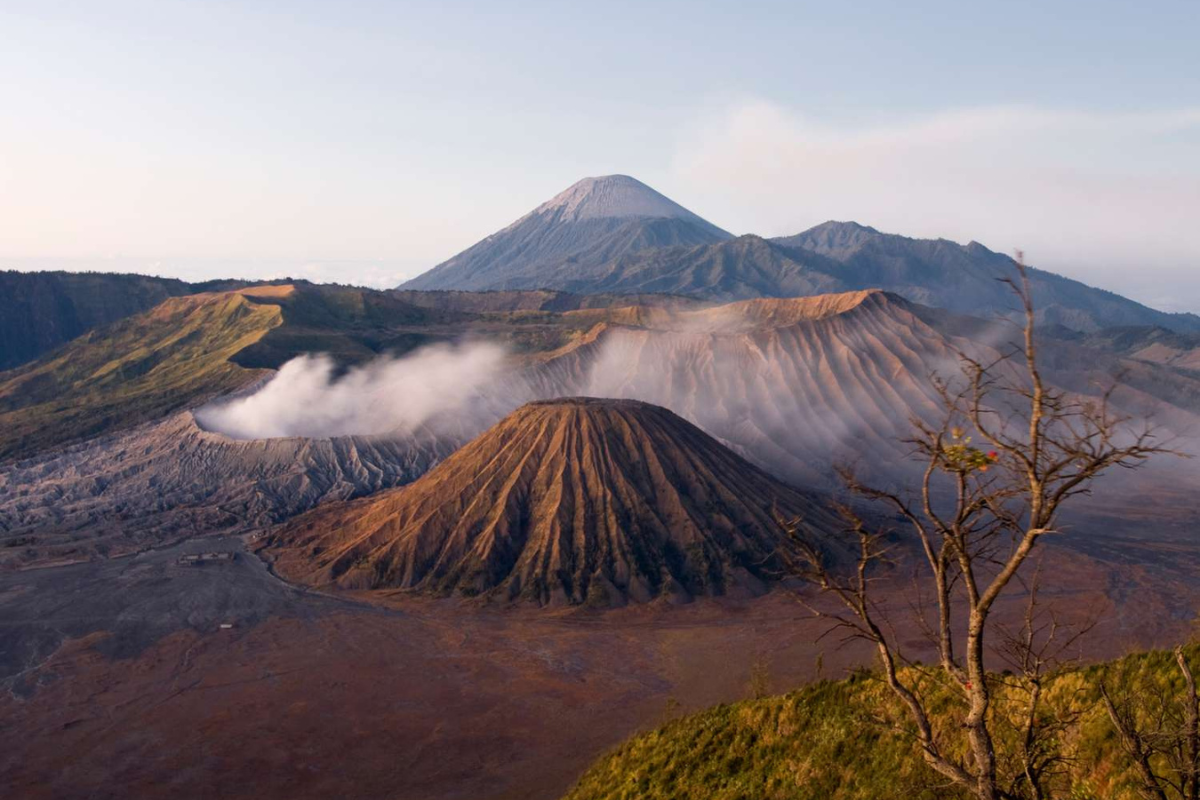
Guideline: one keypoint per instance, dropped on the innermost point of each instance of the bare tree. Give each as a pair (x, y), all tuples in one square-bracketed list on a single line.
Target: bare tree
[(1037, 652), (1005, 455), (1159, 730)]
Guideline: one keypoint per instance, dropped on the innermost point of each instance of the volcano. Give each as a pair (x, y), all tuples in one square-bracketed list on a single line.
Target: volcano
[(591, 223), (616, 235), (570, 501)]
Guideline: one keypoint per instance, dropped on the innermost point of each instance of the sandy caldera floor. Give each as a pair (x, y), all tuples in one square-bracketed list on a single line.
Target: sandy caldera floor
[(118, 679)]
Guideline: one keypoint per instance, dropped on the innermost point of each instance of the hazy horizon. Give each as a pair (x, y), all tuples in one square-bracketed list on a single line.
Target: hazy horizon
[(368, 142)]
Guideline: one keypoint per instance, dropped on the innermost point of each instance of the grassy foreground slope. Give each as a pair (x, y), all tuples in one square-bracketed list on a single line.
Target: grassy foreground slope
[(134, 370), (835, 740)]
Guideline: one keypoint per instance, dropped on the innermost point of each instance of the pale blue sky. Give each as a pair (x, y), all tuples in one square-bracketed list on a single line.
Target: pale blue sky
[(366, 141)]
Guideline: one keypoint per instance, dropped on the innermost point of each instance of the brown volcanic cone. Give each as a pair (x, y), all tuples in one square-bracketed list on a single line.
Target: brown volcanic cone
[(574, 500)]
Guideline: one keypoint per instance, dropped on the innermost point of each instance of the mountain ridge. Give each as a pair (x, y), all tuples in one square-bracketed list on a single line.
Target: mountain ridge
[(965, 278), (613, 234)]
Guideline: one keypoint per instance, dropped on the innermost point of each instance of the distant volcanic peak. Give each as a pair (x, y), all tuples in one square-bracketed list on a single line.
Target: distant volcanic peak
[(573, 238), (616, 197), (576, 500), (842, 240), (843, 228), (832, 238), (837, 231)]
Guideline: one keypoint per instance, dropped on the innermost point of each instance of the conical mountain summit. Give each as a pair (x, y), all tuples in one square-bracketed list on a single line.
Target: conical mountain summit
[(589, 224), (570, 501)]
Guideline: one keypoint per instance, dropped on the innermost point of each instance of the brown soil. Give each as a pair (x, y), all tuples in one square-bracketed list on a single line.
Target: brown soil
[(567, 502), (432, 699)]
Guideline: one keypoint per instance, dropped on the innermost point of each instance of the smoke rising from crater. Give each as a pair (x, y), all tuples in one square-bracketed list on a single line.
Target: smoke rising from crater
[(439, 383)]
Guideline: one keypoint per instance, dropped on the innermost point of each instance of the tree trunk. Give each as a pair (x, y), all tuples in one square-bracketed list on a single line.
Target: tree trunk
[(976, 721)]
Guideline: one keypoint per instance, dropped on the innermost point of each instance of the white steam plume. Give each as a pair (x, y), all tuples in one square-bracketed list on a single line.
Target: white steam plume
[(386, 396)]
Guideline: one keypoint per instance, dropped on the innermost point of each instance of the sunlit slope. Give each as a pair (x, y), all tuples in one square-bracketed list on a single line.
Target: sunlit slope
[(564, 501), (351, 324), (189, 349), (138, 369), (831, 741), (41, 310)]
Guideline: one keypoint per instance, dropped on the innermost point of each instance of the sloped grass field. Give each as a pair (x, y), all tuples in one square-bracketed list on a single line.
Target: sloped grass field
[(135, 370), (848, 740)]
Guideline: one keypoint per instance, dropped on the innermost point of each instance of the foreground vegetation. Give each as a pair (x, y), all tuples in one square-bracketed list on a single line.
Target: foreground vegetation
[(850, 740)]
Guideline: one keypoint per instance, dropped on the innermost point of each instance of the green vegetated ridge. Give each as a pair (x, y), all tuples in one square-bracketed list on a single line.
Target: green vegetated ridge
[(844, 740), (134, 370), (191, 348), (40, 311), (354, 325), (188, 349)]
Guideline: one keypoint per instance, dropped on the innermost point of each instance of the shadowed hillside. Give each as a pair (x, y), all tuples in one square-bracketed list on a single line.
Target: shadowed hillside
[(963, 278), (533, 300), (564, 501), (40, 311), (737, 269), (1154, 344)]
